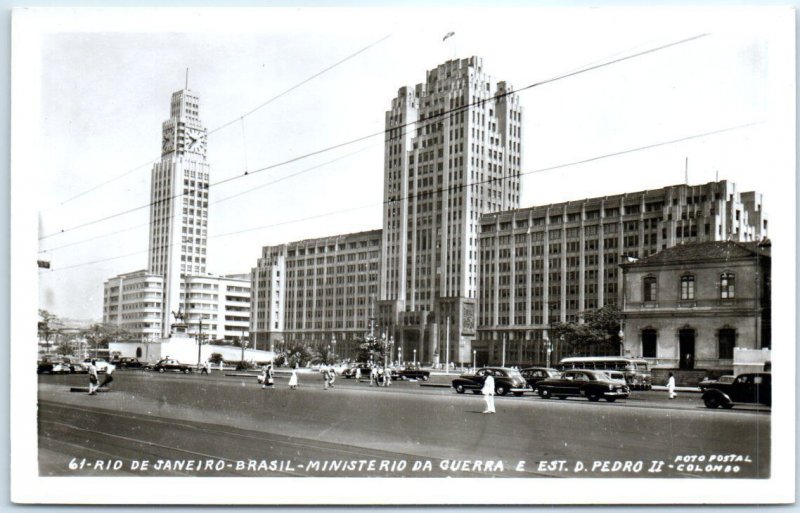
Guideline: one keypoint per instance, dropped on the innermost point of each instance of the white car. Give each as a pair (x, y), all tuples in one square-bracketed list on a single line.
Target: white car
[(100, 363)]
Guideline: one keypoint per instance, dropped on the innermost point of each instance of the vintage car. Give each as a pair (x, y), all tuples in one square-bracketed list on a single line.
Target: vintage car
[(745, 388), (533, 375), (100, 364), (411, 372), (591, 384), (126, 362), (53, 366), (505, 380), (350, 372), (170, 364)]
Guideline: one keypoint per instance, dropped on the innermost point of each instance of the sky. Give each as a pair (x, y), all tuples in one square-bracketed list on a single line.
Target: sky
[(97, 86)]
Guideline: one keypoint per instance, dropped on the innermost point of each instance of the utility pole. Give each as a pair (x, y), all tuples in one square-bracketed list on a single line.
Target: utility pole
[(199, 341), (447, 345)]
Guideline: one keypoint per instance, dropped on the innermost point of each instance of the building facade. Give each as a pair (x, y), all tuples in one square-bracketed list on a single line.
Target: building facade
[(547, 264), (134, 301), (222, 303), (318, 291), (179, 202), (691, 306), (453, 152)]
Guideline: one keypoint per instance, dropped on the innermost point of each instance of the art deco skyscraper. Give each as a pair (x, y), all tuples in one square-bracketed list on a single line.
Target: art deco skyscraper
[(453, 152), (179, 202)]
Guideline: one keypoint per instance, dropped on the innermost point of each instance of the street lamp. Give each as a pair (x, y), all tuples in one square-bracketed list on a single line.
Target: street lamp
[(333, 342), (399, 356), (474, 354), (548, 348), (415, 356)]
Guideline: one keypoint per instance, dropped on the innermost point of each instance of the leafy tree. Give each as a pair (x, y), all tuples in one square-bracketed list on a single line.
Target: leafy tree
[(597, 335), (215, 358), (325, 356), (297, 355), (100, 334), (370, 349)]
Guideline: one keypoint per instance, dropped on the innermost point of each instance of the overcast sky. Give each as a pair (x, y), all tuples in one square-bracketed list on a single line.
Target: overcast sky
[(106, 81)]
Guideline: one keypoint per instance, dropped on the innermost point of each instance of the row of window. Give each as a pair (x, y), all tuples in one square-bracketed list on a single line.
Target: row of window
[(727, 283)]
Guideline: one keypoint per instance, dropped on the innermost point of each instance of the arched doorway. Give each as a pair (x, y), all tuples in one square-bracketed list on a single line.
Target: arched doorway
[(686, 338)]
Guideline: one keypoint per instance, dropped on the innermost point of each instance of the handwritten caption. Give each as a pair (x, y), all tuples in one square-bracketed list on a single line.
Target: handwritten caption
[(691, 464)]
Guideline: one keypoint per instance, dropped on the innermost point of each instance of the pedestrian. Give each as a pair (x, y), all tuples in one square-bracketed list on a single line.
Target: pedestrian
[(373, 375), (205, 367), (331, 376), (358, 374), (671, 386), (108, 377), (387, 378), (267, 377), (325, 378), (488, 394), (293, 380), (379, 377), (92, 377), (220, 365)]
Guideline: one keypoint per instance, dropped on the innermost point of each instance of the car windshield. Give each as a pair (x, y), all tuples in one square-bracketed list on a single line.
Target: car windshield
[(512, 373), (726, 379)]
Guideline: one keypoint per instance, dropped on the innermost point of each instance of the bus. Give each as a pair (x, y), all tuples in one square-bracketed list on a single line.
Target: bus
[(637, 373)]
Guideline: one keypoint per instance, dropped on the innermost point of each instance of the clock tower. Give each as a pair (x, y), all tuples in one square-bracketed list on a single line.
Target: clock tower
[(179, 202)]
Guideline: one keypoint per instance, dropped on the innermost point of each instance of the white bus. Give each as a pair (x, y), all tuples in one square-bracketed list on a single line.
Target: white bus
[(636, 370)]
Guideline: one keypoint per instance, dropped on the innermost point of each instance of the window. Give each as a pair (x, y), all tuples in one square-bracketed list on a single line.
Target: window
[(649, 337), (726, 285), (687, 286), (727, 341), (650, 288)]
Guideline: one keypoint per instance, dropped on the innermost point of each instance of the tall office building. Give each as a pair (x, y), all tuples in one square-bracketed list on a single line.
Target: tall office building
[(453, 152), (547, 264), (179, 202)]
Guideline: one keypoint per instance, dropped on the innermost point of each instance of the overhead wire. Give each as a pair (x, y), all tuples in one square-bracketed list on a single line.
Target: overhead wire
[(228, 123), (440, 190), (433, 119)]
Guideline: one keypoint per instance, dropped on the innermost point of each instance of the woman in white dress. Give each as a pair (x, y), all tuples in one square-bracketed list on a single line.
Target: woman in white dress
[(293, 380)]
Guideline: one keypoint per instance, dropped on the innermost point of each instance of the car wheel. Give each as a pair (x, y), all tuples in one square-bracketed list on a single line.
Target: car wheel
[(593, 397), (460, 389), (545, 393), (187, 371), (611, 399), (711, 402), (161, 369), (518, 394), (501, 390)]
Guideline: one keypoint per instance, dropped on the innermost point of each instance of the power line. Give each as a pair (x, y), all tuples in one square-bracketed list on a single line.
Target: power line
[(225, 125), (443, 189), (430, 120)]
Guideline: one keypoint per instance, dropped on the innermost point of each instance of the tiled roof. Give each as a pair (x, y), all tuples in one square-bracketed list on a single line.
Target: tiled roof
[(706, 251)]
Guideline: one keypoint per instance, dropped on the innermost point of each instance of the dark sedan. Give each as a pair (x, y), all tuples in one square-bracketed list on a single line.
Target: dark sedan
[(127, 363), (746, 388), (505, 380), (170, 365), (411, 372), (591, 384), (533, 375)]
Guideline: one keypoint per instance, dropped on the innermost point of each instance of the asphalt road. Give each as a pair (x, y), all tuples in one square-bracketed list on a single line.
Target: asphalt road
[(221, 425)]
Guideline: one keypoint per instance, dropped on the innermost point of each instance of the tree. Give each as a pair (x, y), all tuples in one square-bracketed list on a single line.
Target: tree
[(100, 334), (597, 335), (370, 349), (325, 356), (297, 355), (49, 325)]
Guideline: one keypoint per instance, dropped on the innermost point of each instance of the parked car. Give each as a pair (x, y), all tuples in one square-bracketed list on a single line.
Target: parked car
[(591, 384), (127, 362), (100, 363), (350, 372), (411, 372), (505, 380), (170, 364), (53, 366), (745, 388), (709, 383), (533, 375), (617, 376)]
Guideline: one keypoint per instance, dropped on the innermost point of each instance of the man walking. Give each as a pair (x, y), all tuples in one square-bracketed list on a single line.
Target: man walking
[(488, 393), (92, 377), (108, 378), (671, 386)]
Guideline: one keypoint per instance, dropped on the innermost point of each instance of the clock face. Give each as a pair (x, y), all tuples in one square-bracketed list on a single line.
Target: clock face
[(196, 141), (168, 141)]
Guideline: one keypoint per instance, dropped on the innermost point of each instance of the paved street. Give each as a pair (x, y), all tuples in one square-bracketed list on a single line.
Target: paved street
[(219, 425)]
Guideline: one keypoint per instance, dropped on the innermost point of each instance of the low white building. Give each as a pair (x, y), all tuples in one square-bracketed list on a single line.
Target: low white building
[(216, 306), (184, 348)]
